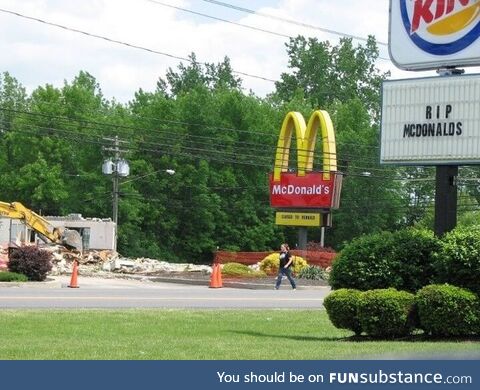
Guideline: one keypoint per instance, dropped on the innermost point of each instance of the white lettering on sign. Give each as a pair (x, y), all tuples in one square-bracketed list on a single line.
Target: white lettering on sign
[(291, 189)]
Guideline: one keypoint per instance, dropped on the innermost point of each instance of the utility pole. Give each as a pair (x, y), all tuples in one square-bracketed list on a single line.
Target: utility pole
[(115, 181), (118, 167)]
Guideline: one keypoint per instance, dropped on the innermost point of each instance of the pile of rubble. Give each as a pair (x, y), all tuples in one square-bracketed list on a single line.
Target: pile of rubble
[(110, 262), (104, 263)]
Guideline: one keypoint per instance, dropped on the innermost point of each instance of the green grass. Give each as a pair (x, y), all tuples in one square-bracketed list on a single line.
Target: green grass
[(200, 334)]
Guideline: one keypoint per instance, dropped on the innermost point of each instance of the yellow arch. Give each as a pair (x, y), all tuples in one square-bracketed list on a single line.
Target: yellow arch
[(306, 138)]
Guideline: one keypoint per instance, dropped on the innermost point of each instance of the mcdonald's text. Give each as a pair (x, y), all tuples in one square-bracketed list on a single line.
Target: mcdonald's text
[(300, 190), (311, 190)]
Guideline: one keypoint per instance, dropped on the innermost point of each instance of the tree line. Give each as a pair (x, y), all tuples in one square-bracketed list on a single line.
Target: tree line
[(219, 139)]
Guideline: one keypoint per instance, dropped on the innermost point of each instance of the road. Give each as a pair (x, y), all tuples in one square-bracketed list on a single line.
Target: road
[(108, 293)]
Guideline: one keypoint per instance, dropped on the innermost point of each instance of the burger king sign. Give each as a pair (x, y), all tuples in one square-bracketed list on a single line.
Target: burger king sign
[(431, 34)]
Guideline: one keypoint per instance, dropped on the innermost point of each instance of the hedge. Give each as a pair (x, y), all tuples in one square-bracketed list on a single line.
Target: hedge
[(446, 310), (386, 313), (458, 260), (342, 309), (402, 260)]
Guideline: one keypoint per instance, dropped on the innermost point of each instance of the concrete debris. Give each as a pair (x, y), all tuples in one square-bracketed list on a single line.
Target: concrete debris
[(93, 262), (108, 262)]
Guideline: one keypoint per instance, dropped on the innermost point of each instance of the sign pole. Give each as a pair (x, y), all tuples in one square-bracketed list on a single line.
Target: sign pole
[(446, 185), (302, 238), (445, 199)]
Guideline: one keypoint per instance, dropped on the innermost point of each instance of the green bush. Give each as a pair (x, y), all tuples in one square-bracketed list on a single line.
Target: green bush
[(446, 310), (458, 260), (270, 264), (240, 270), (386, 313), (342, 308), (12, 277), (31, 261), (313, 272), (401, 260)]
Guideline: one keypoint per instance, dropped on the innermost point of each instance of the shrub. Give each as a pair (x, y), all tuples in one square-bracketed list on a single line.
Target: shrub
[(270, 264), (402, 260), (458, 260), (386, 313), (446, 310), (364, 264), (299, 263), (413, 250), (342, 308), (12, 277), (31, 261), (313, 272), (240, 270)]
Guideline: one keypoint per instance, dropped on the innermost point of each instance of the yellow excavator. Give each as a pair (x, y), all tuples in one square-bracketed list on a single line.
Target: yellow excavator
[(71, 239)]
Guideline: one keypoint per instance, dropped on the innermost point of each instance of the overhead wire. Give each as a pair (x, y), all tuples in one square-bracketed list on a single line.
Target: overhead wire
[(219, 19), (201, 152), (291, 21), (184, 151), (130, 45), (166, 148), (120, 126), (345, 35), (223, 160)]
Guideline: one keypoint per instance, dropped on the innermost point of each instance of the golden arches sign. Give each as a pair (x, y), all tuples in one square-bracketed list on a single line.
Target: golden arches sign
[(306, 136), (306, 188)]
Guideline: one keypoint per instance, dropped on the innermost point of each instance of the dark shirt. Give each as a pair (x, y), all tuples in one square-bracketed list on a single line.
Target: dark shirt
[(284, 259)]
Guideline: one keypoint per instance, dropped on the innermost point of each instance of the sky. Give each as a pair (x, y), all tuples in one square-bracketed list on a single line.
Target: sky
[(37, 54)]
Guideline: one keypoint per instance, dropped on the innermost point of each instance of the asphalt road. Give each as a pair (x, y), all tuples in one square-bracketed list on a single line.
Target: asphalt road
[(108, 293)]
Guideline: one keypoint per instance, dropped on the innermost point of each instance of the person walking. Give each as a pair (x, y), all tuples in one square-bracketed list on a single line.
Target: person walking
[(286, 260)]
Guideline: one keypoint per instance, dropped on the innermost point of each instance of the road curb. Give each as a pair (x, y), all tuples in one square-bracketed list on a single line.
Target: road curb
[(232, 284), (49, 283)]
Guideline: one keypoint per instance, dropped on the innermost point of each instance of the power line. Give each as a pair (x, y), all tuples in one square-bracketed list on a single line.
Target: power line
[(169, 149), (219, 19), (174, 150), (80, 140), (291, 21), (250, 147), (274, 136), (207, 148), (130, 45), (262, 29)]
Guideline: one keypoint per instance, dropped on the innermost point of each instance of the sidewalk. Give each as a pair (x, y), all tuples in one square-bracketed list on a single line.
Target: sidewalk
[(248, 283), (116, 280)]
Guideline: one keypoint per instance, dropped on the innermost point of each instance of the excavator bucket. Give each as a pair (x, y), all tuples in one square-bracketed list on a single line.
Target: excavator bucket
[(72, 239)]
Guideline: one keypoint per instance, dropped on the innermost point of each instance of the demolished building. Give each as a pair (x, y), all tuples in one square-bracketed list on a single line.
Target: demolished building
[(96, 233)]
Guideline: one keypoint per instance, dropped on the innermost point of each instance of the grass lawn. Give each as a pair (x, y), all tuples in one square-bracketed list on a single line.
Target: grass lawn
[(201, 334)]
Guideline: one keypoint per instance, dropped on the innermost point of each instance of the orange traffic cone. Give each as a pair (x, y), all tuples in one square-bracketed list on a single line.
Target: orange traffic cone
[(73, 280), (219, 276), (214, 277)]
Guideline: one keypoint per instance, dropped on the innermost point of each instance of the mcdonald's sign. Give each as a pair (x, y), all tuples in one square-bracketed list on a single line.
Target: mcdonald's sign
[(306, 188)]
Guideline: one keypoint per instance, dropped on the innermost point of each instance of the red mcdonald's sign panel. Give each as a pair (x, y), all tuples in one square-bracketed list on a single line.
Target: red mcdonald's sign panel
[(311, 190)]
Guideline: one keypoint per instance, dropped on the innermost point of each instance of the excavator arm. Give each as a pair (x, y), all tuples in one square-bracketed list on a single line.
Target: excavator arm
[(15, 210)]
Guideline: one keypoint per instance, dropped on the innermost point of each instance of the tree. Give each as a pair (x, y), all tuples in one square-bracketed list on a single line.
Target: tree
[(326, 73)]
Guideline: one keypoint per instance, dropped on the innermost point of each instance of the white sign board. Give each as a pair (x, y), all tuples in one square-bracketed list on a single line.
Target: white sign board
[(432, 34), (431, 121)]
